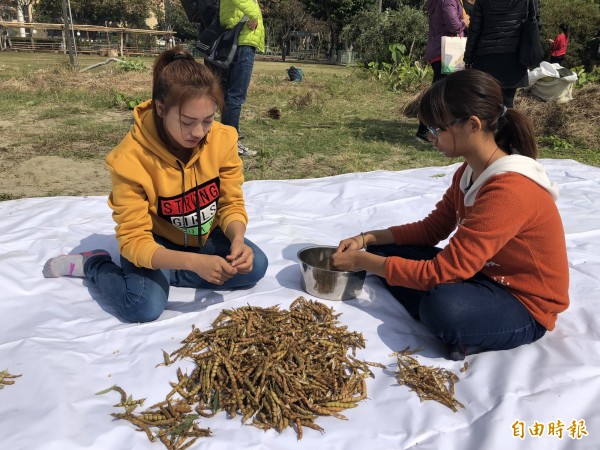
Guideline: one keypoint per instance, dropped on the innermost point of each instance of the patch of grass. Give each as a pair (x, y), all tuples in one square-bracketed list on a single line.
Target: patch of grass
[(335, 121), (4, 196)]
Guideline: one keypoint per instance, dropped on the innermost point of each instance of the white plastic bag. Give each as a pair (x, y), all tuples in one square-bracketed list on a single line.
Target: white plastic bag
[(453, 52), (546, 83)]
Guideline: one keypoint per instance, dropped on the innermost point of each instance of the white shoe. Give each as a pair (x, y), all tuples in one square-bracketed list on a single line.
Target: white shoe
[(245, 151)]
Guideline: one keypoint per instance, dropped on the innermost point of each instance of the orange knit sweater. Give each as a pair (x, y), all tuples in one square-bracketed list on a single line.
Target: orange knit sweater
[(512, 233)]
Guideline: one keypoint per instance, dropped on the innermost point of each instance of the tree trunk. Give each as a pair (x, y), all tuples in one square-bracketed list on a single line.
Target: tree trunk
[(283, 47), (67, 32), (334, 35), (31, 30)]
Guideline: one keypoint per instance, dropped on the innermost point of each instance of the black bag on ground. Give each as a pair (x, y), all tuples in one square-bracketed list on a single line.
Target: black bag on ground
[(215, 43), (295, 74), (531, 52)]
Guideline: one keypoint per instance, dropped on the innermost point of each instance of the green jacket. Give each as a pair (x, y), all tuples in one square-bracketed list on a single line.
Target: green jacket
[(232, 11)]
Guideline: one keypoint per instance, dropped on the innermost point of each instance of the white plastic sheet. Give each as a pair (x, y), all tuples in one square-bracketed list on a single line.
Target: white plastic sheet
[(62, 338)]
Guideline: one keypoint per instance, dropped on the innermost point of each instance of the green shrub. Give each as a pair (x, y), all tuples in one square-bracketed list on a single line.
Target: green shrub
[(372, 34), (125, 101), (583, 18)]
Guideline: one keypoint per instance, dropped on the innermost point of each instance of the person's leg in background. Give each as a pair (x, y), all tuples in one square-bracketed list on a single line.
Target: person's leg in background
[(508, 96), (422, 133), (238, 81)]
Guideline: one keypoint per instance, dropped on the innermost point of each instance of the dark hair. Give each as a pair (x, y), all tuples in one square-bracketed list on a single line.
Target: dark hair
[(564, 28), (471, 92), (178, 77)]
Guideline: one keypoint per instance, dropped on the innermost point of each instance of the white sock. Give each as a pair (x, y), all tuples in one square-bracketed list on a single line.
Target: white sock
[(69, 265)]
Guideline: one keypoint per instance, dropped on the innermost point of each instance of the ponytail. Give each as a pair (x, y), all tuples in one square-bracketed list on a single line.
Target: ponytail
[(516, 134)]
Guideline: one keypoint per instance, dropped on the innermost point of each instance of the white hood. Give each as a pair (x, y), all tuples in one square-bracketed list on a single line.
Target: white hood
[(524, 165)]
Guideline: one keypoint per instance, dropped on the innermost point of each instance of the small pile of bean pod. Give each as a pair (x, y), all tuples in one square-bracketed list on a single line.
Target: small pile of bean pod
[(275, 368), (7, 378), (173, 421), (428, 382)]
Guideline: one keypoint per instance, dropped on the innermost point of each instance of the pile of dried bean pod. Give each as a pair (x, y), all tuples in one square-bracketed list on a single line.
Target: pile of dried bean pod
[(275, 368), (7, 378), (174, 424), (428, 382)]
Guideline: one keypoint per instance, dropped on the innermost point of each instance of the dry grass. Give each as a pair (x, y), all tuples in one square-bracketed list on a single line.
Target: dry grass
[(577, 121)]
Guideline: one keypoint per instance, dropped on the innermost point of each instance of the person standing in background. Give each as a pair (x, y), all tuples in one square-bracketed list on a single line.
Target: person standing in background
[(593, 51), (467, 8), (236, 79), (445, 19), (493, 42), (559, 45)]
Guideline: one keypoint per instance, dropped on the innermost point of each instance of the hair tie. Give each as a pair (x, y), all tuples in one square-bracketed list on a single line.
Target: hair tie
[(177, 56), (502, 118)]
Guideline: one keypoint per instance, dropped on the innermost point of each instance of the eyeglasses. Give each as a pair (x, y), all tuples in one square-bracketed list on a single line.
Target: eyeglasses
[(435, 132)]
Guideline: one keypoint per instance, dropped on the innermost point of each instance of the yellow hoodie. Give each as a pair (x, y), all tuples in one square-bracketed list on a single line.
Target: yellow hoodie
[(154, 192)]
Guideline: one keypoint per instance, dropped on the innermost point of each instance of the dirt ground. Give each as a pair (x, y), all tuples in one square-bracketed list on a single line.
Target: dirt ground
[(24, 169), (53, 175)]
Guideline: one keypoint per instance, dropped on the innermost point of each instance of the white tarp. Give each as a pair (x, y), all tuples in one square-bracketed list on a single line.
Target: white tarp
[(61, 337)]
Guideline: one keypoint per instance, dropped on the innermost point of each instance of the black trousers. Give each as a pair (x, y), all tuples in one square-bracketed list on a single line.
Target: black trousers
[(437, 76)]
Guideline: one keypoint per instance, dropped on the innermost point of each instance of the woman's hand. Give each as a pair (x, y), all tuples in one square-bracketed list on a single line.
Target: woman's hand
[(348, 260), (252, 24), (349, 257), (214, 269), (353, 243), (241, 257)]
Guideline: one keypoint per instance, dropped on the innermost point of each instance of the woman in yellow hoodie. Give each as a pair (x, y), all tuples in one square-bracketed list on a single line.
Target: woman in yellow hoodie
[(176, 198)]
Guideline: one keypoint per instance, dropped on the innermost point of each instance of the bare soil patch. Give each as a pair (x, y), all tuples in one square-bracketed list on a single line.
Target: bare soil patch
[(42, 176)]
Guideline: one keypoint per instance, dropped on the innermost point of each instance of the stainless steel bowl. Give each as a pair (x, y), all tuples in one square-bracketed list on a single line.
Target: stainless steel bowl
[(321, 280)]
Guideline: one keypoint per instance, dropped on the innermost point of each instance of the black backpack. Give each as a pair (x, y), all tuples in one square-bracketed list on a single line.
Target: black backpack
[(201, 12), (215, 43)]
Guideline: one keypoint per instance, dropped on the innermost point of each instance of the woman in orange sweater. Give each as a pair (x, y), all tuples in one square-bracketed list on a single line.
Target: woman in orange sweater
[(503, 277)]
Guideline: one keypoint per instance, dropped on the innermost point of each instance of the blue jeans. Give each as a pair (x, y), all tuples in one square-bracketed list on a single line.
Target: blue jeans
[(140, 295), (477, 312), (235, 83)]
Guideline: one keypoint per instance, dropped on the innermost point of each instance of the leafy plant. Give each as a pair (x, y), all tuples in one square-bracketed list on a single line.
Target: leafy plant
[(131, 65), (555, 143), (584, 77), (403, 74), (123, 100)]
